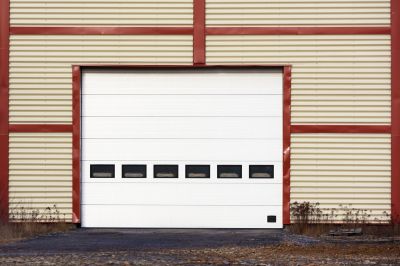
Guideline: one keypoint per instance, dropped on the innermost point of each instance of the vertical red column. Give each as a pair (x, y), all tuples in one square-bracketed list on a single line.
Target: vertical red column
[(76, 144), (287, 84), (4, 86), (199, 32), (395, 31)]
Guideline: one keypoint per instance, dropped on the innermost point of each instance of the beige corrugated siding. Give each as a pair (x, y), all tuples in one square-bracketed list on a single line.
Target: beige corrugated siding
[(298, 13), (40, 174), (337, 79), (349, 169), (40, 67), (101, 12)]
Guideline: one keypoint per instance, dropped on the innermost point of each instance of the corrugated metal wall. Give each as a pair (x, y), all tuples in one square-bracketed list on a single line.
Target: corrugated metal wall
[(298, 13), (40, 175), (100, 12), (40, 67), (337, 79), (349, 169)]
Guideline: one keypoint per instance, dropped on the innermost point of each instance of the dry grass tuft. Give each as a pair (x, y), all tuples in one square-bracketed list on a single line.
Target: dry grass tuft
[(29, 223), (20, 230), (308, 219)]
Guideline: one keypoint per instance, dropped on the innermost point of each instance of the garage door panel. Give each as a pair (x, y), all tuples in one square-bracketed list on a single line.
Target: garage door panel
[(182, 127), (210, 194), (181, 149), (180, 216), (169, 82), (182, 105), (152, 117)]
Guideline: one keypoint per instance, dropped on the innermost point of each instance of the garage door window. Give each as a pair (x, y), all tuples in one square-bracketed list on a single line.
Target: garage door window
[(102, 171), (261, 171), (134, 171), (197, 171), (229, 171), (165, 171)]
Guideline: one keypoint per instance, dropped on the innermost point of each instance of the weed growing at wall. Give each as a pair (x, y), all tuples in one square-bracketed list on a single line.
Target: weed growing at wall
[(30, 222), (310, 218)]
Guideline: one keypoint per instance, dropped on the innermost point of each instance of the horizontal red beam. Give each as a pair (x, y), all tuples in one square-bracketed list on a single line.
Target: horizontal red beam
[(103, 30), (189, 30), (296, 30), (294, 128), (40, 128), (340, 129)]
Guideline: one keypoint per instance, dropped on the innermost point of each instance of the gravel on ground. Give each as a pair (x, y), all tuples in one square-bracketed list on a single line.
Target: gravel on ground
[(195, 247)]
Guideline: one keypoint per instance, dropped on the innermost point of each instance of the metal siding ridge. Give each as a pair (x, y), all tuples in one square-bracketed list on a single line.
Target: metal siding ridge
[(4, 94), (395, 118)]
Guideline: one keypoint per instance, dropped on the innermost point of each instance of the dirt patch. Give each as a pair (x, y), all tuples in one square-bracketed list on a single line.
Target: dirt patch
[(283, 254), (289, 254), (195, 247)]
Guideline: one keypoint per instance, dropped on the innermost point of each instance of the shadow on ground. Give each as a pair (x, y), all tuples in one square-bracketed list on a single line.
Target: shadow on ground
[(94, 240)]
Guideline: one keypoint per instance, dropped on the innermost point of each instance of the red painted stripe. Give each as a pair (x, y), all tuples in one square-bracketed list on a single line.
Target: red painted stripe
[(296, 30), (395, 111), (76, 144), (158, 67), (340, 129), (199, 29), (40, 128), (287, 85), (103, 30), (199, 35), (4, 87)]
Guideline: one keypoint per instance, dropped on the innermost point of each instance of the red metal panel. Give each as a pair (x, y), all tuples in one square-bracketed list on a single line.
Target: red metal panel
[(287, 85), (395, 111), (340, 129), (40, 128), (199, 34), (103, 30), (76, 143), (4, 87), (296, 30)]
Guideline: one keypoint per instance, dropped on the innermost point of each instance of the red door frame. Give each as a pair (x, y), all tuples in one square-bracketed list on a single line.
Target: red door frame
[(76, 125)]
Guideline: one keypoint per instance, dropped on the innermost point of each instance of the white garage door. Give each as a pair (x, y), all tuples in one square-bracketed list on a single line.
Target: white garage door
[(197, 148)]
